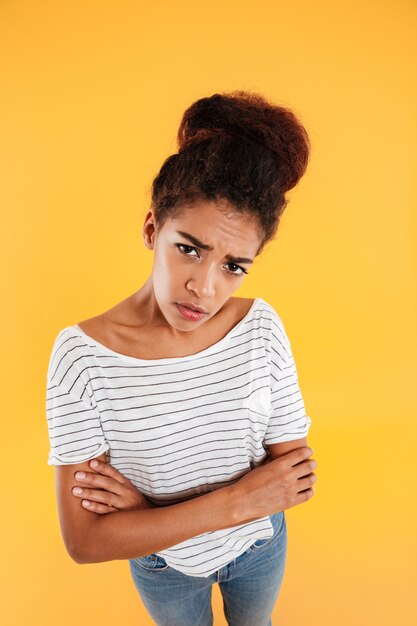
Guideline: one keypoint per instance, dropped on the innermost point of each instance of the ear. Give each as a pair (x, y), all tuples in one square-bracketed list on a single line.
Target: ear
[(149, 230)]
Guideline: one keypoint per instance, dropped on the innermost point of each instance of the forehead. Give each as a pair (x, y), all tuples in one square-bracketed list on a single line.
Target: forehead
[(217, 224)]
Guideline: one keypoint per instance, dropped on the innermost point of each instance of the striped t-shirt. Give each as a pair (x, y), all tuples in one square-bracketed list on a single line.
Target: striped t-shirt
[(183, 426)]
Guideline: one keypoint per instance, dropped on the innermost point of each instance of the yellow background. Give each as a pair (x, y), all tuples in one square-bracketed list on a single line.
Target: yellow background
[(92, 94)]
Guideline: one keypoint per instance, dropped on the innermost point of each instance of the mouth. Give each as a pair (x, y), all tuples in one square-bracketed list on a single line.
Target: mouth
[(192, 307), (189, 314)]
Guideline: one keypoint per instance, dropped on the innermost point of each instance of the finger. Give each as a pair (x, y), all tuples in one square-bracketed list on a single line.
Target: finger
[(96, 495), (97, 507), (306, 482), (108, 470), (92, 479)]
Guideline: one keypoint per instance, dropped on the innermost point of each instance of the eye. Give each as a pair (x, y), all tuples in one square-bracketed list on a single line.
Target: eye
[(240, 268), (183, 245)]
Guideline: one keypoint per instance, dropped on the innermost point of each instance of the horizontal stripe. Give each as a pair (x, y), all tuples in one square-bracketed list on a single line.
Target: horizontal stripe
[(180, 427)]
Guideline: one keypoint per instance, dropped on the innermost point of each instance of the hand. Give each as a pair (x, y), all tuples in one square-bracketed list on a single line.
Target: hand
[(107, 486), (286, 482)]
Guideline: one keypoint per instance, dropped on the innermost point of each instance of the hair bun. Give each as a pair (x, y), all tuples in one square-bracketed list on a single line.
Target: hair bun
[(236, 148), (242, 116)]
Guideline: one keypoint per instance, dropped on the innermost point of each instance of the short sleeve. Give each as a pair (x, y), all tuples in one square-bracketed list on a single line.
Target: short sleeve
[(74, 424), (288, 419)]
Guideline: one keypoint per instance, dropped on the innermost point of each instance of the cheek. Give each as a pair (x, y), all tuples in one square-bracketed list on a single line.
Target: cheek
[(170, 269), (165, 261)]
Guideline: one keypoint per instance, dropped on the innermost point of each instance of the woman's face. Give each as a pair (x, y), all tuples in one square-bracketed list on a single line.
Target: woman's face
[(201, 256)]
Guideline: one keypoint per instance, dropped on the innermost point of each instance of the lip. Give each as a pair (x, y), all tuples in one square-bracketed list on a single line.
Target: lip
[(193, 307), (188, 314)]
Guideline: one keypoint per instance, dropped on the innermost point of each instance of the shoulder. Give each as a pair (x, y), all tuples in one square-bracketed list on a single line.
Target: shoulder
[(269, 312), (104, 326), (95, 327), (240, 306), (69, 360), (273, 325)]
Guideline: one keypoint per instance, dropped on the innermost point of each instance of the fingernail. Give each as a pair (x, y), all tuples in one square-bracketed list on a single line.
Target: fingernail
[(86, 503), (94, 463), (77, 490), (80, 475)]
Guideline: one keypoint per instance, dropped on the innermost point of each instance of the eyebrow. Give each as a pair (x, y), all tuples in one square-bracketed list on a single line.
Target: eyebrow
[(196, 242)]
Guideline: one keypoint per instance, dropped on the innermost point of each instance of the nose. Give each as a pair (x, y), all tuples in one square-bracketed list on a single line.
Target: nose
[(202, 281)]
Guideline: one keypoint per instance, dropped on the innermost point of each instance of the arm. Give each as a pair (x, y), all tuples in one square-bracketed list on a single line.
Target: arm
[(278, 449), (93, 538)]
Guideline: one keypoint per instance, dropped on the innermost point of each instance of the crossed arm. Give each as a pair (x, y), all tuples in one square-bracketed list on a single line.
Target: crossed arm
[(91, 536)]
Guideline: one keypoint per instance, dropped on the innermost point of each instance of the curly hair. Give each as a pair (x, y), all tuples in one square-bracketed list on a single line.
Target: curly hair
[(235, 147)]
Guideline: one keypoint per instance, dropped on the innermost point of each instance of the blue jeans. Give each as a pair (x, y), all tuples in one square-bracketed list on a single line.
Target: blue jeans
[(249, 584)]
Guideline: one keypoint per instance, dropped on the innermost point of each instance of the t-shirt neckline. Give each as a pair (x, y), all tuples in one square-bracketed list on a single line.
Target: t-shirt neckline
[(167, 360)]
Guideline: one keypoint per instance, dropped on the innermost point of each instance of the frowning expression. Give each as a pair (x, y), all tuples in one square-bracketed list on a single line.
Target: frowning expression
[(201, 256)]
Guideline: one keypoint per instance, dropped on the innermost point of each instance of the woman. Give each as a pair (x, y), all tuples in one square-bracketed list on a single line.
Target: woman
[(186, 396)]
